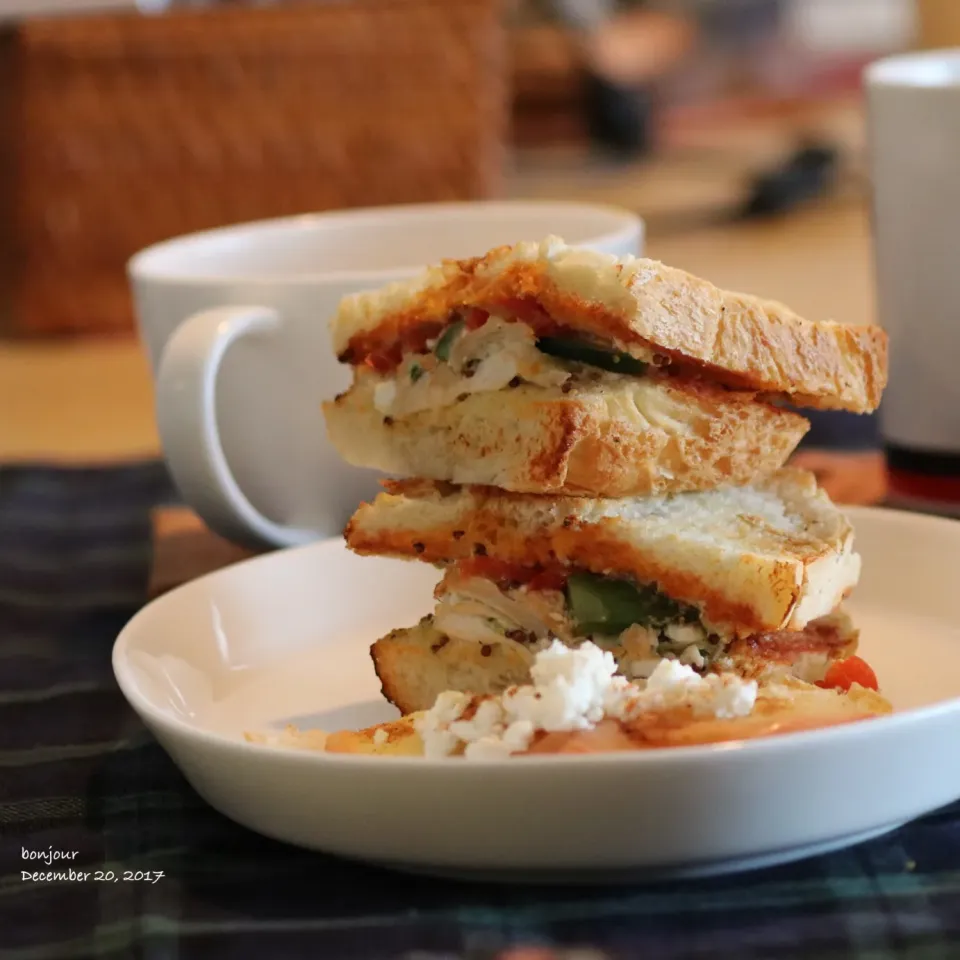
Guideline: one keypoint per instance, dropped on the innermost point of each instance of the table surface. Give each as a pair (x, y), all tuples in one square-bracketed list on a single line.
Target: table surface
[(80, 776)]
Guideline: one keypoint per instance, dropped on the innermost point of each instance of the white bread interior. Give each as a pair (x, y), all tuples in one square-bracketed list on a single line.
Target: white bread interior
[(621, 436)]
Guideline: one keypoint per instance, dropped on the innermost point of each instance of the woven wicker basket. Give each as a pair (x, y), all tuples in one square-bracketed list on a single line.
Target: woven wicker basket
[(132, 129)]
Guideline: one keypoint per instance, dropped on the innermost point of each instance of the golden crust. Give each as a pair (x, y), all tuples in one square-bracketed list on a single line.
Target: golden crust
[(630, 437), (798, 559), (742, 341), (416, 665)]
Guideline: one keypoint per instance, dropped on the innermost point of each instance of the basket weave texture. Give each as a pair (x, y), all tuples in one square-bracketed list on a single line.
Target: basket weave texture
[(130, 129)]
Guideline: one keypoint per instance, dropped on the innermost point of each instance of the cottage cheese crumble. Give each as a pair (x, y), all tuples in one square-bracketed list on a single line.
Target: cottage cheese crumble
[(572, 689)]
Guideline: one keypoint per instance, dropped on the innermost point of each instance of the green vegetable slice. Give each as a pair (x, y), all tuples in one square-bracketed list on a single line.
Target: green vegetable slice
[(613, 360), (416, 372), (445, 342), (608, 606)]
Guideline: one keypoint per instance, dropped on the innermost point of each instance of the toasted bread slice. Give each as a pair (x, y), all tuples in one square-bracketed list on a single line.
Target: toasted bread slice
[(789, 706), (628, 437), (771, 556), (637, 306), (416, 665)]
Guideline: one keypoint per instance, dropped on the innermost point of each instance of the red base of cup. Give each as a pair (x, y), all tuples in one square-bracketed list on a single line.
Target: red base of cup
[(922, 487)]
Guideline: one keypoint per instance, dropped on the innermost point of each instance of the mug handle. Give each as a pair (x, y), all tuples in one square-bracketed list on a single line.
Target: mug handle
[(187, 422)]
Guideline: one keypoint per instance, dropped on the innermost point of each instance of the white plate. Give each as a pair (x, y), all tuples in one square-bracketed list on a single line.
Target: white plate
[(285, 638)]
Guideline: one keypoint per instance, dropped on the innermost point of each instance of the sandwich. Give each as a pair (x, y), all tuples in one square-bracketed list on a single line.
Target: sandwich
[(743, 579), (541, 368), (592, 452)]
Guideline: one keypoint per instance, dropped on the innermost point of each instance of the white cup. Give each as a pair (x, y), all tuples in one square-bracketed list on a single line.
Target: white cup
[(914, 133), (235, 324)]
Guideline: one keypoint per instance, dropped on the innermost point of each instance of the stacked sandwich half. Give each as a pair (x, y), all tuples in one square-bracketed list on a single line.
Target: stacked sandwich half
[(595, 450)]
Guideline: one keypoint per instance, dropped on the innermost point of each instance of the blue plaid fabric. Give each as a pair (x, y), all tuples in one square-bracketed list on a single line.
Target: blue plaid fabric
[(839, 431), (80, 775)]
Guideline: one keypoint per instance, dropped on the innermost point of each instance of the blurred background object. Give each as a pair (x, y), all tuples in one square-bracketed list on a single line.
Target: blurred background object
[(11, 10), (939, 23), (606, 63), (128, 129)]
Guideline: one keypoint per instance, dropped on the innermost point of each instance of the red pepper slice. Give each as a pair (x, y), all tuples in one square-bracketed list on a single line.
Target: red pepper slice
[(842, 674)]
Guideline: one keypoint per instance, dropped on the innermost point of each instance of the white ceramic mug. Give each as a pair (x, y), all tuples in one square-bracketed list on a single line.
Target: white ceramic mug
[(235, 323), (914, 134)]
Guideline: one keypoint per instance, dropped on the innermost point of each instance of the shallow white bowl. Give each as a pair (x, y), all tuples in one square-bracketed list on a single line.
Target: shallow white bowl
[(285, 638)]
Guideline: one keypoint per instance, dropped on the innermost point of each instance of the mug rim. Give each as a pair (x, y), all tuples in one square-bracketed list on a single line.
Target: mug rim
[(147, 264), (937, 69)]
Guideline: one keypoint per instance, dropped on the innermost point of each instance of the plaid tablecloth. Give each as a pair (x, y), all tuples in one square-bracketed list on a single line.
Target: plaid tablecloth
[(80, 775)]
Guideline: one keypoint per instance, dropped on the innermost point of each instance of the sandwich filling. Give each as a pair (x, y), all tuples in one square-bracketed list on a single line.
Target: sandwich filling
[(486, 601), (577, 703), (571, 690), (475, 351)]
